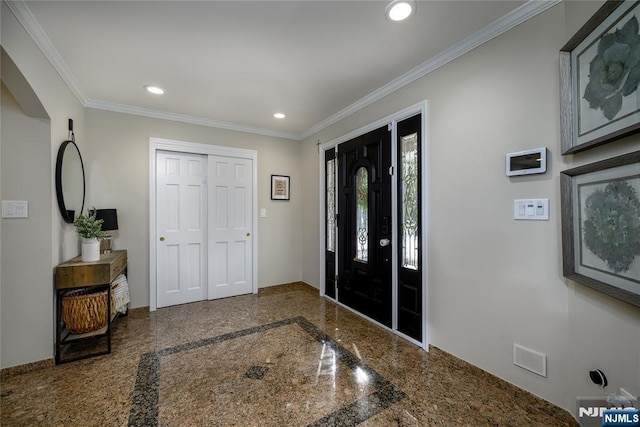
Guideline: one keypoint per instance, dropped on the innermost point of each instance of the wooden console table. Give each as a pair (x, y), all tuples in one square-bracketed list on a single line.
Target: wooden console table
[(75, 275)]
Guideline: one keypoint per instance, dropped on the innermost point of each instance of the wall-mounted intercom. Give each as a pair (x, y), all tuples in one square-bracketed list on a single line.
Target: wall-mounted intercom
[(527, 162)]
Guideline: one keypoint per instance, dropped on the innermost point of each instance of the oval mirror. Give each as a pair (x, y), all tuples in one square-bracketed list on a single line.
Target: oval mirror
[(70, 185)]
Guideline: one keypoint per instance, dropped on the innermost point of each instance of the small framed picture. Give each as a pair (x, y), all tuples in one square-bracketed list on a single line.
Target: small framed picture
[(280, 187), (601, 226)]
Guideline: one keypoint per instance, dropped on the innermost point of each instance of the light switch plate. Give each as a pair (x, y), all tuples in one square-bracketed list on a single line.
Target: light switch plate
[(263, 213), (15, 209), (531, 209)]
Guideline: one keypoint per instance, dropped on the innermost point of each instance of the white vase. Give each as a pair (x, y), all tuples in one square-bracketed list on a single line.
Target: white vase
[(90, 249)]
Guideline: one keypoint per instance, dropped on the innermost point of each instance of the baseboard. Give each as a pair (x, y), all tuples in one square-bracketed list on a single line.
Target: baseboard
[(286, 287), (264, 291), (6, 373), (138, 311)]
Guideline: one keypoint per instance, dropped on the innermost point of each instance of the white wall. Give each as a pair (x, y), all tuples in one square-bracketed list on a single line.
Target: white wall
[(26, 291), (494, 281), (117, 169), (32, 338)]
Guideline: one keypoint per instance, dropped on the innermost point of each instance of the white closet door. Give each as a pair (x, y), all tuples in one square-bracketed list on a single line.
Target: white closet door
[(231, 231), (181, 198)]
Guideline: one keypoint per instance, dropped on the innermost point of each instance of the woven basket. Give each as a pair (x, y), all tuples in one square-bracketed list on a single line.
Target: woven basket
[(84, 311)]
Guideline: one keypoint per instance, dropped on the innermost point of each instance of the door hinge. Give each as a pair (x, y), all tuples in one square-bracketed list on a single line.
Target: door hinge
[(391, 170), (390, 127)]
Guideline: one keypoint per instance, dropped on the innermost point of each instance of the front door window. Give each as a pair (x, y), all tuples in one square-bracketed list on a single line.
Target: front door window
[(362, 214), (331, 205), (409, 200)]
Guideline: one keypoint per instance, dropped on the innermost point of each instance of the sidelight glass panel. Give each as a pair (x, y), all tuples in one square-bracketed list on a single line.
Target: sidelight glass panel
[(409, 208), (331, 205), (362, 214)]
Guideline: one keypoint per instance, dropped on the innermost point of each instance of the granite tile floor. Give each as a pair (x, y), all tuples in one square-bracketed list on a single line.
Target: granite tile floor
[(284, 357)]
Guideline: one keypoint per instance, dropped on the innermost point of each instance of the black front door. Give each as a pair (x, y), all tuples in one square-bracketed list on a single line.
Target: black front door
[(364, 225)]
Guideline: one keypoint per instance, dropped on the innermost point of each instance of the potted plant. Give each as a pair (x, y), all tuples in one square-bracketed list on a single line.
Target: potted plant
[(89, 228)]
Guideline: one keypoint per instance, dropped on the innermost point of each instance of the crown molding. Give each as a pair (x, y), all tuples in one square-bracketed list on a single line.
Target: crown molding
[(523, 13), (32, 27), (498, 27), (185, 118), (24, 15)]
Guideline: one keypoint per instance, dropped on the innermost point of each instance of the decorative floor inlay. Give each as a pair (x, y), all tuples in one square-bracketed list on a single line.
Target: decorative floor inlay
[(205, 372), (256, 372), (326, 366)]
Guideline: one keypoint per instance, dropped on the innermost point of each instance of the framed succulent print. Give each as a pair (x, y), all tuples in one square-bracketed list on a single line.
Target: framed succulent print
[(599, 77), (601, 226)]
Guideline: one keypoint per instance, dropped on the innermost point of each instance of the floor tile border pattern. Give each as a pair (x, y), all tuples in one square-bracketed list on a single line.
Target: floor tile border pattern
[(145, 396)]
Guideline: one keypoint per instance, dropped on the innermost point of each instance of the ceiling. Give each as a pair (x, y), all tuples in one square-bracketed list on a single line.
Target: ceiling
[(233, 64)]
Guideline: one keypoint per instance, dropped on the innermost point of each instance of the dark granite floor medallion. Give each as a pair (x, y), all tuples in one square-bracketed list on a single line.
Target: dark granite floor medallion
[(256, 372), (146, 395)]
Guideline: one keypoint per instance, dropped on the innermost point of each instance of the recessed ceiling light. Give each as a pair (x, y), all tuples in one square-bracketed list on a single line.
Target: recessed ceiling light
[(279, 116), (399, 10), (154, 89)]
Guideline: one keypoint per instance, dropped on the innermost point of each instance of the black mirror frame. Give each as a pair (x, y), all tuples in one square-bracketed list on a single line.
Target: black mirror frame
[(59, 194)]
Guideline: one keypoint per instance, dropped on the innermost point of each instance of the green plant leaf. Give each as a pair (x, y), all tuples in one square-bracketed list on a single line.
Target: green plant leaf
[(629, 31), (594, 93), (617, 52), (612, 105), (633, 79), (88, 226), (605, 43)]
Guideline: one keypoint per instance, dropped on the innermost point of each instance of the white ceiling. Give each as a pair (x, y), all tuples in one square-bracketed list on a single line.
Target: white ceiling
[(232, 64)]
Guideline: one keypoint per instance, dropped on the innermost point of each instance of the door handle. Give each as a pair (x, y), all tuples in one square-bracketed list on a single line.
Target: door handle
[(385, 242), (248, 234), (162, 239)]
